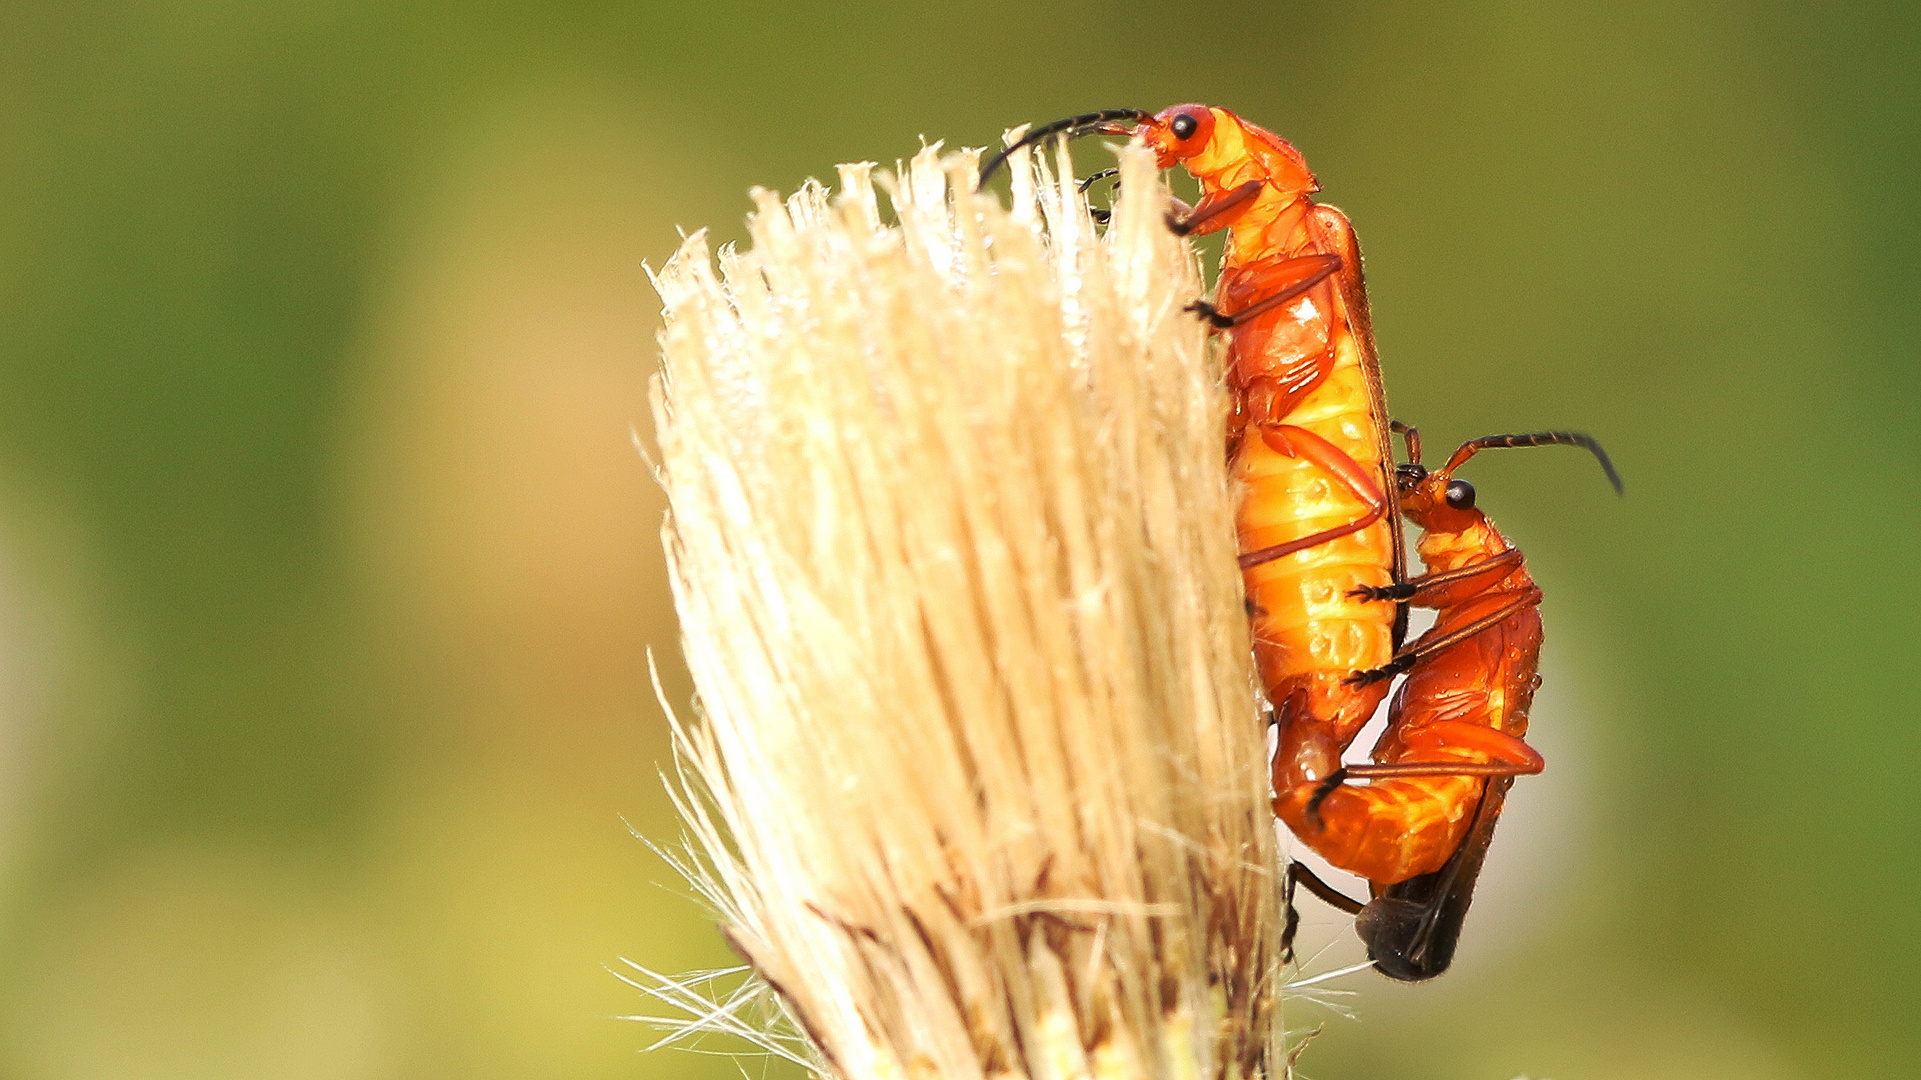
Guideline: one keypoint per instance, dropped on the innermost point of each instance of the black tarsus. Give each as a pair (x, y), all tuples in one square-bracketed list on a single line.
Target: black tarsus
[(1101, 217), (1398, 593), (1075, 126), (1397, 666), (1299, 873)]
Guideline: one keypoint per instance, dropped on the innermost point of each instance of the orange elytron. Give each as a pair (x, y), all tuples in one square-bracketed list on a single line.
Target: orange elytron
[(1319, 530), (1419, 829)]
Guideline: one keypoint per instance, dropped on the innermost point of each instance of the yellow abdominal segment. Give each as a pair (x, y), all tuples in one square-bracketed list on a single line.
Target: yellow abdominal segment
[(1303, 618)]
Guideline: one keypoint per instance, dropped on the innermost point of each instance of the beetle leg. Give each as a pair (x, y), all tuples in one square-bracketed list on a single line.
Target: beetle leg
[(1298, 442), (1498, 745), (1100, 216), (1404, 770), (1206, 217), (1292, 277), (1513, 757), (1298, 873), (1412, 588), (1430, 644), (1508, 755)]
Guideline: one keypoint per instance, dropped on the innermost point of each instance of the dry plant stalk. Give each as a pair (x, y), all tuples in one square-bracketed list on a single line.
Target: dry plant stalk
[(979, 784)]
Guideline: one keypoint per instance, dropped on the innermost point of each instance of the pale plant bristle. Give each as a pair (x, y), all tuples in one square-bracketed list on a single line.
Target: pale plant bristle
[(978, 779)]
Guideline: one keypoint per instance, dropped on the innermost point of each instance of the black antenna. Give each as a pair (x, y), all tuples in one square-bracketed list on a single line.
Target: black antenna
[(1544, 438), (1085, 124)]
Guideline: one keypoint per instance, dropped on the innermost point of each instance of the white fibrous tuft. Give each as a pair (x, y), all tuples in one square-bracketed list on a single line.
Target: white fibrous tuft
[(976, 781)]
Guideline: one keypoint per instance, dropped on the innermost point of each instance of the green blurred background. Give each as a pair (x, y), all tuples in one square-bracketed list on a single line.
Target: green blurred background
[(327, 567)]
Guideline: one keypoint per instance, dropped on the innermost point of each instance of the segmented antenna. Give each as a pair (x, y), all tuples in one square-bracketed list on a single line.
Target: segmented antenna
[(1542, 438), (1076, 126)]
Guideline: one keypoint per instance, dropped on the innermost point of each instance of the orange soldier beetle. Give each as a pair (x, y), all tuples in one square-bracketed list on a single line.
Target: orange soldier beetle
[(1421, 827), (1319, 528)]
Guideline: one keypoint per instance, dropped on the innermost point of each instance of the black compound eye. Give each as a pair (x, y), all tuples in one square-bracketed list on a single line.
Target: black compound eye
[(1460, 494), (1184, 125)]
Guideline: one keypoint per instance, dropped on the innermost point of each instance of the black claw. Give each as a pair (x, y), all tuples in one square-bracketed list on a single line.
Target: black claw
[(1384, 592), (1178, 225), (1210, 314)]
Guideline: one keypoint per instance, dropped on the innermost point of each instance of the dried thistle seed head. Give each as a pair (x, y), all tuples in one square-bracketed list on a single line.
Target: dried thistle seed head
[(979, 778)]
